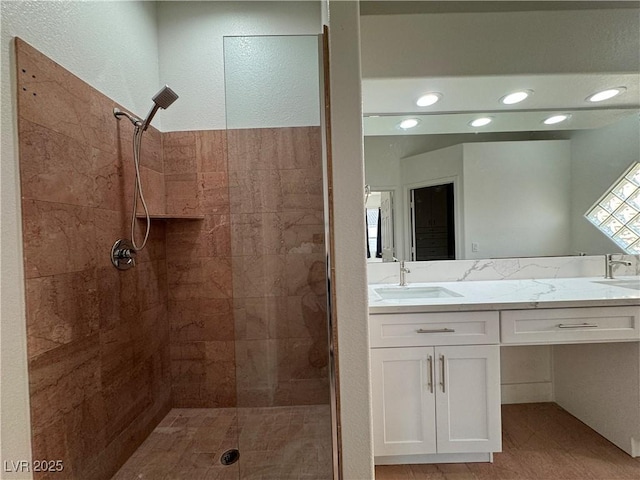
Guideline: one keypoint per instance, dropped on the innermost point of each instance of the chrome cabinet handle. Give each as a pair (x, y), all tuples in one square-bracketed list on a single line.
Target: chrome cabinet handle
[(436, 330), (442, 381), (577, 325), (430, 369)]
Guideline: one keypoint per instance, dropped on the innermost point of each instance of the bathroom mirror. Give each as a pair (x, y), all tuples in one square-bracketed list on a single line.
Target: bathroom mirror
[(520, 187)]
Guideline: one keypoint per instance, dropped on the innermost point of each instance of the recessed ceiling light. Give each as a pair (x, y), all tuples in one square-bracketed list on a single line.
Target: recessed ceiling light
[(481, 122), (428, 99), (556, 119), (408, 123), (516, 97), (605, 94)]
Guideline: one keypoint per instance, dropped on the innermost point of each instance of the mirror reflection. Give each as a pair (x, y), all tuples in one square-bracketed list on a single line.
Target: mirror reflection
[(505, 151)]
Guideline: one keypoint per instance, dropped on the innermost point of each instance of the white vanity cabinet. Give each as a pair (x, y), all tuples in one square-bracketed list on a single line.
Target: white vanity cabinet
[(436, 399)]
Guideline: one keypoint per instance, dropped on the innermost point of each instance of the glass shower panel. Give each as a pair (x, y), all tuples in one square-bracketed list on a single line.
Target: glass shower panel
[(276, 198)]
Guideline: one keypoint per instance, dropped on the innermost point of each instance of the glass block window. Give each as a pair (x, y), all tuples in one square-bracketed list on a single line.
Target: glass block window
[(617, 212)]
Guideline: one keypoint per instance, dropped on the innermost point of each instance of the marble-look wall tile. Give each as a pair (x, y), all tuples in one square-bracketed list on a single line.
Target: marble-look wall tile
[(274, 148), (210, 237), (303, 232), (257, 234), (203, 374), (279, 278), (202, 319), (52, 97), (255, 191), (58, 238), (214, 192), (54, 167), (52, 319), (179, 152), (154, 188), (97, 338), (182, 194), (261, 318), (211, 151), (259, 276)]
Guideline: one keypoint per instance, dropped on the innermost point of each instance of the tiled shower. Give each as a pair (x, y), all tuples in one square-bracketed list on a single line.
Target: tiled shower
[(218, 336)]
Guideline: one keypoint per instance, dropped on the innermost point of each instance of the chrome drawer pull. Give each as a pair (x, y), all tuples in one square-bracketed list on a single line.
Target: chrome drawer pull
[(577, 325), (437, 330)]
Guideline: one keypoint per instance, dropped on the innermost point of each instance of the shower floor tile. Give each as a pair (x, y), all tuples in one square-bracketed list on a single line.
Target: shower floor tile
[(275, 443)]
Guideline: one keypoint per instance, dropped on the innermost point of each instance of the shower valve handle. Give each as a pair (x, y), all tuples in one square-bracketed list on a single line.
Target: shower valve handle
[(123, 255)]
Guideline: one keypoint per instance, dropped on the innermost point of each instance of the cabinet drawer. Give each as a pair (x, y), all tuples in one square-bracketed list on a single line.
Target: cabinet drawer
[(423, 329), (570, 325)]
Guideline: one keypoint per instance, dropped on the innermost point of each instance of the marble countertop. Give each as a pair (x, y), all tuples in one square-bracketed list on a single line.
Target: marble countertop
[(513, 294)]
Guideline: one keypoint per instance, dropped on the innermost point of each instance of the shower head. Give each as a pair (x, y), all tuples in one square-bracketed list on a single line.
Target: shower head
[(163, 99)]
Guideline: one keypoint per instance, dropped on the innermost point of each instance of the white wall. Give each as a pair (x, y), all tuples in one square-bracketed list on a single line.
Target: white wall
[(516, 199), (598, 158), (272, 81), (191, 50), (350, 277), (111, 45), (609, 36)]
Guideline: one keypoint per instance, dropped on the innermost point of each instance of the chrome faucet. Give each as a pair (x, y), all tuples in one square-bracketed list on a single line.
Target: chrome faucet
[(403, 274), (609, 263)]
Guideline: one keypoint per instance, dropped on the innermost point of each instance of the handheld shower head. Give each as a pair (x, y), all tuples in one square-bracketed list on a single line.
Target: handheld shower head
[(163, 99)]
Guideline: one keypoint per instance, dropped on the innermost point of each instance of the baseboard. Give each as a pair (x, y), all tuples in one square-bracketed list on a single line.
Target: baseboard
[(435, 458), (527, 393)]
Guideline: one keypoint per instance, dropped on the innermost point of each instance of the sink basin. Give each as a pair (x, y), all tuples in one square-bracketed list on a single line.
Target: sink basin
[(633, 284), (400, 293)]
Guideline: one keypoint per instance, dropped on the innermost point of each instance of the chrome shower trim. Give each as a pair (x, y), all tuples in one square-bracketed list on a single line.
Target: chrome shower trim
[(119, 113)]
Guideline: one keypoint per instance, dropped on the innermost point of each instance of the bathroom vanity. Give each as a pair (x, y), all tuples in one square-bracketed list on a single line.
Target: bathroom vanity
[(435, 361)]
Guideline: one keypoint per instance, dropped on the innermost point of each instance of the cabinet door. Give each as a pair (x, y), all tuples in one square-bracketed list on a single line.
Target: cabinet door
[(403, 401), (468, 399)]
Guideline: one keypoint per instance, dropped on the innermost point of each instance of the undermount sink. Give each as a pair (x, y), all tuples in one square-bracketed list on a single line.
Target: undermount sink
[(400, 293), (633, 284)]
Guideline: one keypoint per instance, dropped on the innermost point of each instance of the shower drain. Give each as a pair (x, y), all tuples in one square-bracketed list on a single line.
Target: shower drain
[(230, 457)]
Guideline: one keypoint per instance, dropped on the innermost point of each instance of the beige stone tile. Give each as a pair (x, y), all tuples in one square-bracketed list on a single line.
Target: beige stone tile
[(154, 188), (211, 150), (301, 190), (54, 167), (52, 97), (277, 148), (61, 309), (179, 152), (57, 238), (201, 319), (255, 191), (182, 194), (60, 380), (260, 276), (257, 234), (260, 318), (214, 191), (303, 232)]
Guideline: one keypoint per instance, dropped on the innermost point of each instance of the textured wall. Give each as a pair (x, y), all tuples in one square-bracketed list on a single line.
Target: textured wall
[(97, 338), (190, 39)]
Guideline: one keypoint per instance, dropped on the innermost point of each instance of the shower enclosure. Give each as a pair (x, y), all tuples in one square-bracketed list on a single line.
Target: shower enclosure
[(279, 257), (211, 358)]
